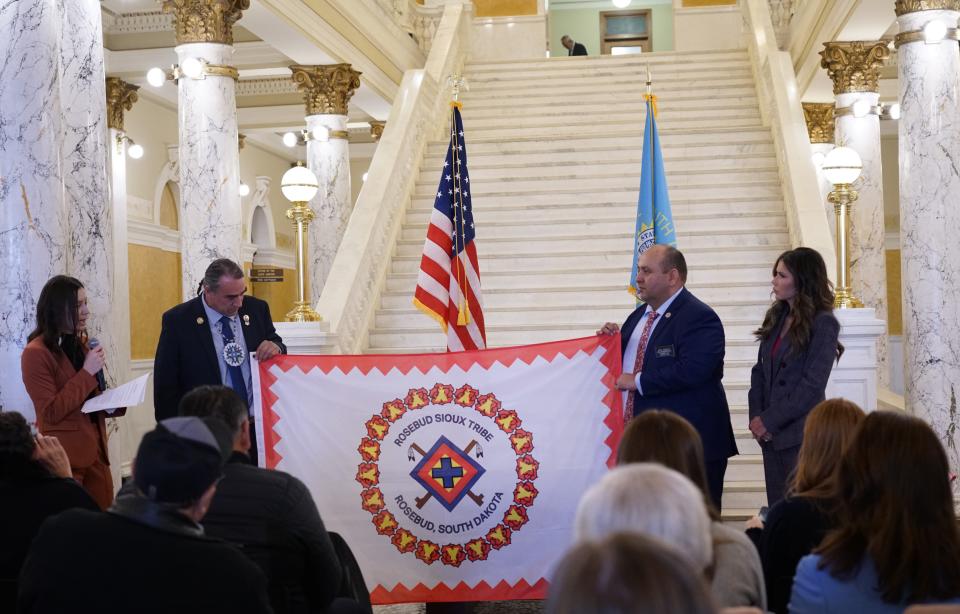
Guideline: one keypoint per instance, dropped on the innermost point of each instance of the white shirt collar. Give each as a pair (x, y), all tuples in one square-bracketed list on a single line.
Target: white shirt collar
[(666, 304)]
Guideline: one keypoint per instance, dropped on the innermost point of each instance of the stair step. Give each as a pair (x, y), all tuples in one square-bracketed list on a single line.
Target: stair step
[(405, 314), (692, 206), (604, 136), (674, 108), (601, 268), (695, 257), (626, 162), (614, 178), (620, 242), (491, 224)]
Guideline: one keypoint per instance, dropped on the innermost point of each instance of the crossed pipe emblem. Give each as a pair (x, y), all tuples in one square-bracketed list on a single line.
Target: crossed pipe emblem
[(421, 501)]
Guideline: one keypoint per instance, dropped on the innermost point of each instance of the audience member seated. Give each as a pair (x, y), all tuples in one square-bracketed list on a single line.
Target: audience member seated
[(35, 483), (796, 525), (148, 553), (666, 438), (626, 573), (269, 514), (896, 540), (649, 499)]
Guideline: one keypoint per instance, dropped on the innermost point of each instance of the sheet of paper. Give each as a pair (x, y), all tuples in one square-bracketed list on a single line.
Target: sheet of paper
[(130, 394)]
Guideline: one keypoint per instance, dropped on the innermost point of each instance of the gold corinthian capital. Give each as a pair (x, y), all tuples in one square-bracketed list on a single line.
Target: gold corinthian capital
[(902, 7), (820, 122), (326, 89), (120, 96), (205, 21), (854, 66)]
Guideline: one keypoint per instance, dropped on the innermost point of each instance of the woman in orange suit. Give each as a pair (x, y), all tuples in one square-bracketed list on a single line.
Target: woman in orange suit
[(60, 374)]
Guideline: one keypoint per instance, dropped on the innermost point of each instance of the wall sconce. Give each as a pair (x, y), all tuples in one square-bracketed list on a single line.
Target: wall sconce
[(320, 133), (243, 189), (133, 150), (190, 68), (933, 32)]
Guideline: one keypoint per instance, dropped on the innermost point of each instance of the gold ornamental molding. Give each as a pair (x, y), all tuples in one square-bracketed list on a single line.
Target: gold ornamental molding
[(205, 21), (854, 66), (120, 97), (326, 89), (241, 140), (903, 7), (820, 122), (376, 129)]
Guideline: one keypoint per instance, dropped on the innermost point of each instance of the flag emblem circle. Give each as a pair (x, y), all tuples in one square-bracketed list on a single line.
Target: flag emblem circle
[(447, 472)]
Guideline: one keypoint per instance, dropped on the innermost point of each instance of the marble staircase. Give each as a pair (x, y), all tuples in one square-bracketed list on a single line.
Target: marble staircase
[(554, 150)]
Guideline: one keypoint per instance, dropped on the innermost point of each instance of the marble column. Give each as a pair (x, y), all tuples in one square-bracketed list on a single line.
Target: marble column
[(854, 68), (84, 151), (210, 210), (33, 232), (326, 92), (820, 129), (120, 97), (929, 77)]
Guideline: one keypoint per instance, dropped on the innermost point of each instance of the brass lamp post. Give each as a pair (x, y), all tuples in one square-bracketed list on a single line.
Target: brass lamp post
[(299, 185), (842, 167)]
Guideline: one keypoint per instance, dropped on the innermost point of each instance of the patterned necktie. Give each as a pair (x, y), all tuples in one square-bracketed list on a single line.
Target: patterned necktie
[(236, 373), (638, 364)]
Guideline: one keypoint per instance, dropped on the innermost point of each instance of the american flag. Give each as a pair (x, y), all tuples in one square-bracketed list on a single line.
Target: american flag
[(448, 287)]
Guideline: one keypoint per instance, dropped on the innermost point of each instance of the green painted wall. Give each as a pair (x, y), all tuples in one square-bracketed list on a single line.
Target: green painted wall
[(583, 25)]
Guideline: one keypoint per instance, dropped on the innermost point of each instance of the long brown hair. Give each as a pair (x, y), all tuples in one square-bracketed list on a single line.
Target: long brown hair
[(57, 311), (895, 506), (814, 294), (660, 436), (627, 573), (827, 433)]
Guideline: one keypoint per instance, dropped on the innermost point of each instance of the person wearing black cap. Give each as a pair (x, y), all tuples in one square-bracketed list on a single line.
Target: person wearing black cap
[(269, 514), (148, 552)]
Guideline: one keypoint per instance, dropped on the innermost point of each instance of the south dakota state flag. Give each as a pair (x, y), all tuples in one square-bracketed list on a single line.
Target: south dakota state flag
[(654, 220)]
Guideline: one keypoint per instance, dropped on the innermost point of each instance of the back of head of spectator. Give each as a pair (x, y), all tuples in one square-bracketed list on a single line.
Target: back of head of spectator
[(649, 499), (627, 573), (224, 404), (665, 437), (896, 508), (827, 433), (179, 463), (17, 447)]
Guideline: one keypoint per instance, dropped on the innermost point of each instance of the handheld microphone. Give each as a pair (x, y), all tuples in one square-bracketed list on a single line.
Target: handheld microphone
[(101, 381)]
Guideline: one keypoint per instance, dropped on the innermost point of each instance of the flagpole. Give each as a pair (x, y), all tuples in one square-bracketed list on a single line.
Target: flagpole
[(463, 308)]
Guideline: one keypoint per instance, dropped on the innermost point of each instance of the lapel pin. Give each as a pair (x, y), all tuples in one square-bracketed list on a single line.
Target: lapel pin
[(199, 320), (246, 320), (667, 315)]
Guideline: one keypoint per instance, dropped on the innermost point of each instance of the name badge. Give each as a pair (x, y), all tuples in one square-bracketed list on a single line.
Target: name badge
[(665, 351)]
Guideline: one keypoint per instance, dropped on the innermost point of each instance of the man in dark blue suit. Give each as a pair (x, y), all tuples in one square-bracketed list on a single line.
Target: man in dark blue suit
[(673, 347), (208, 339)]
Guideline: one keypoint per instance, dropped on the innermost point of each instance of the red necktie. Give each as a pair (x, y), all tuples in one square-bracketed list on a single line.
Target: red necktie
[(638, 364)]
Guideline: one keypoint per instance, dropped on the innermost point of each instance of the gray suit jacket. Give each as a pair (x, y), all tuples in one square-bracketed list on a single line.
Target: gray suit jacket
[(784, 388)]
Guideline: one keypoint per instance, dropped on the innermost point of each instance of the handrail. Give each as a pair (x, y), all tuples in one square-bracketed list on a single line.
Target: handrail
[(781, 110), (351, 294)]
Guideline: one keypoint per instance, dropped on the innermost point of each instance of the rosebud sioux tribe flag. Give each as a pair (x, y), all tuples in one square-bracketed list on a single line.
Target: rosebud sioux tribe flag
[(453, 477)]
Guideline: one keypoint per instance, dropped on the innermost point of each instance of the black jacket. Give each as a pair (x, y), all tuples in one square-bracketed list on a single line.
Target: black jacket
[(30, 495), (578, 49), (186, 357), (272, 517), (137, 557), (794, 527)]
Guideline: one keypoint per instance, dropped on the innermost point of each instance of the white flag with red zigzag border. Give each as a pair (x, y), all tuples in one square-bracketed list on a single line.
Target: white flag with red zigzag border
[(453, 477)]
